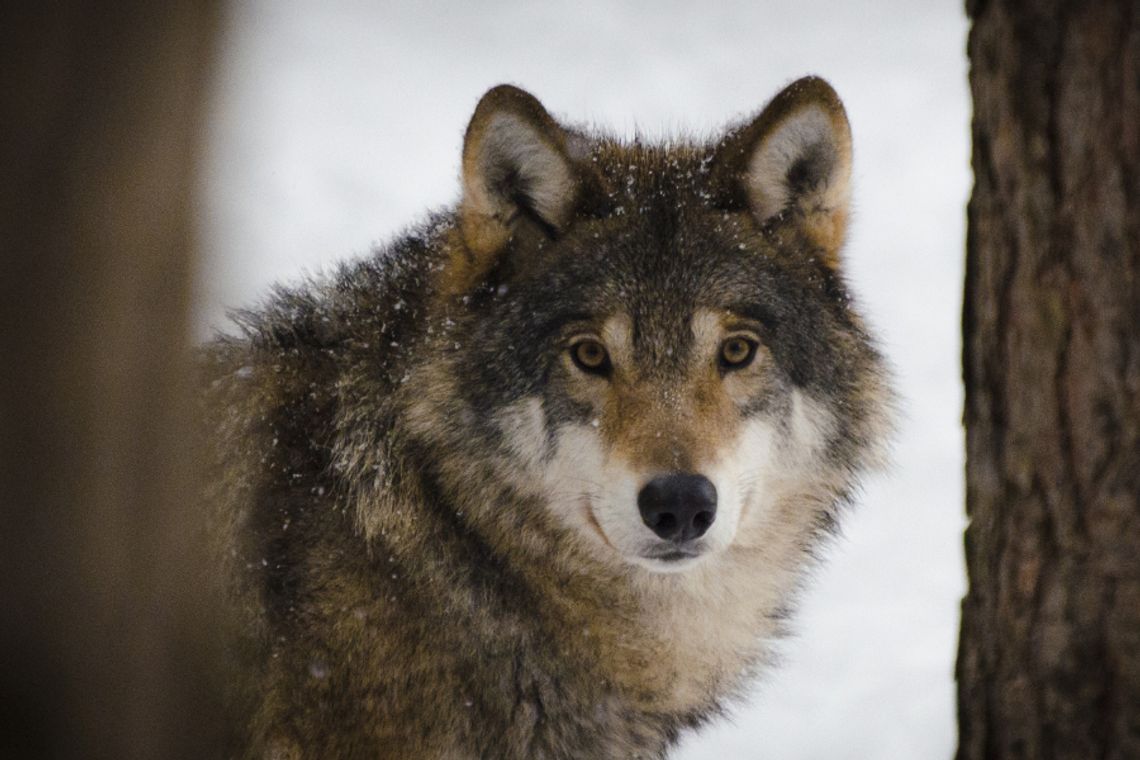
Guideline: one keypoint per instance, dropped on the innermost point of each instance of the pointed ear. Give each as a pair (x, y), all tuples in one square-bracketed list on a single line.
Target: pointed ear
[(517, 170), (792, 164)]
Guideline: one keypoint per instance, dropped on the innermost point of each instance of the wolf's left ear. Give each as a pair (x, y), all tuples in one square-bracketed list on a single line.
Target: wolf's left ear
[(792, 164)]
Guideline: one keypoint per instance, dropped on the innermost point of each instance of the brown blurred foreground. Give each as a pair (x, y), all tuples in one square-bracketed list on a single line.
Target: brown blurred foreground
[(107, 647)]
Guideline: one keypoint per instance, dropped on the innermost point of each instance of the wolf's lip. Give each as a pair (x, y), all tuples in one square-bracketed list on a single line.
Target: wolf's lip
[(673, 554), (592, 519)]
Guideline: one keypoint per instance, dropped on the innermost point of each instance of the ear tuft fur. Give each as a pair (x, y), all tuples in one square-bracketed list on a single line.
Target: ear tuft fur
[(792, 163)]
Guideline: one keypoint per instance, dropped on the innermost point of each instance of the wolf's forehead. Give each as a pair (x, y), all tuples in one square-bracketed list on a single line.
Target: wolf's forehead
[(661, 336), (647, 170)]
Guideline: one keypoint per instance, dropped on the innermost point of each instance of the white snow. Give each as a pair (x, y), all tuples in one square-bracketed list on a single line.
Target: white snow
[(337, 123)]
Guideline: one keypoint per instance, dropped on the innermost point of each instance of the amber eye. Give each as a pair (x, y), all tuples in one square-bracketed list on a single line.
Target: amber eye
[(590, 356), (737, 352)]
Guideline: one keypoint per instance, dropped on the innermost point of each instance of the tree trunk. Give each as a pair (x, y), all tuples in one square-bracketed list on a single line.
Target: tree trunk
[(1049, 660), (106, 648)]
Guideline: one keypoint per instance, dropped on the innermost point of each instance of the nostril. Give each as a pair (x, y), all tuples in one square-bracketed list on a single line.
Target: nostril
[(703, 521)]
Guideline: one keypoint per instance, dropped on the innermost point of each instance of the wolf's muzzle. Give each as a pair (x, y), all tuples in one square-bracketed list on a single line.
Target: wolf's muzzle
[(678, 507)]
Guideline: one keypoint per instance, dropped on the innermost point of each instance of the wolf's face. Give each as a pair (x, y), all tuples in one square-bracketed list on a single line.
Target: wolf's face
[(657, 446), (657, 338), (675, 443), (666, 364)]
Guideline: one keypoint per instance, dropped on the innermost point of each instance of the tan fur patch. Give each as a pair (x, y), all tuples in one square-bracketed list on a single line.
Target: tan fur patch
[(659, 426)]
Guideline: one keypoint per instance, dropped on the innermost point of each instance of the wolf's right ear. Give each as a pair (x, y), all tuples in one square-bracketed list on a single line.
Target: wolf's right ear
[(792, 164), (517, 171)]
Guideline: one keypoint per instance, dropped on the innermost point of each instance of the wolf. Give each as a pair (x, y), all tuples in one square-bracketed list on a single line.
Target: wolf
[(542, 477)]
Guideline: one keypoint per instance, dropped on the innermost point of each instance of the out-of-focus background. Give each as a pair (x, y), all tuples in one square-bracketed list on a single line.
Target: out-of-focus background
[(336, 124)]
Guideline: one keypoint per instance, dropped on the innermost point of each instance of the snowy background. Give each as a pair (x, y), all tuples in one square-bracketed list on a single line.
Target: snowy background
[(338, 123)]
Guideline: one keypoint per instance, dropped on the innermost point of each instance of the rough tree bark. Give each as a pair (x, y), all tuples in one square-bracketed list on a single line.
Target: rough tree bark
[(105, 639), (1049, 660)]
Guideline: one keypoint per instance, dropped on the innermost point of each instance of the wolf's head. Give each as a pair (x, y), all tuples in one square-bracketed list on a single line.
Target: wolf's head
[(654, 341)]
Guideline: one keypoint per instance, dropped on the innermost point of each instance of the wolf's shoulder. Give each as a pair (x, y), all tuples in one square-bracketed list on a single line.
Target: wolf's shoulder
[(365, 309)]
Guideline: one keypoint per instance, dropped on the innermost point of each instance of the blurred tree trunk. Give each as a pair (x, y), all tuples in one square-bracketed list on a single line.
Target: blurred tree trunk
[(105, 642), (1049, 660)]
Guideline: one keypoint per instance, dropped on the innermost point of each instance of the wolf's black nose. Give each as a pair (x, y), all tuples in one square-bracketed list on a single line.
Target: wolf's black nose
[(678, 507)]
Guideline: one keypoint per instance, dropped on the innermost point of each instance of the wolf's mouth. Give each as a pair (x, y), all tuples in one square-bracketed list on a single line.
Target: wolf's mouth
[(671, 559), (673, 554), (597, 526)]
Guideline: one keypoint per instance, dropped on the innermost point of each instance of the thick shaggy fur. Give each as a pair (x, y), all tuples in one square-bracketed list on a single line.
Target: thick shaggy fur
[(429, 511)]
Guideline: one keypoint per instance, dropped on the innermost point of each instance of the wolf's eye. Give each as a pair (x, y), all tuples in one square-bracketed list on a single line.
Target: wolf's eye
[(590, 356), (737, 352)]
